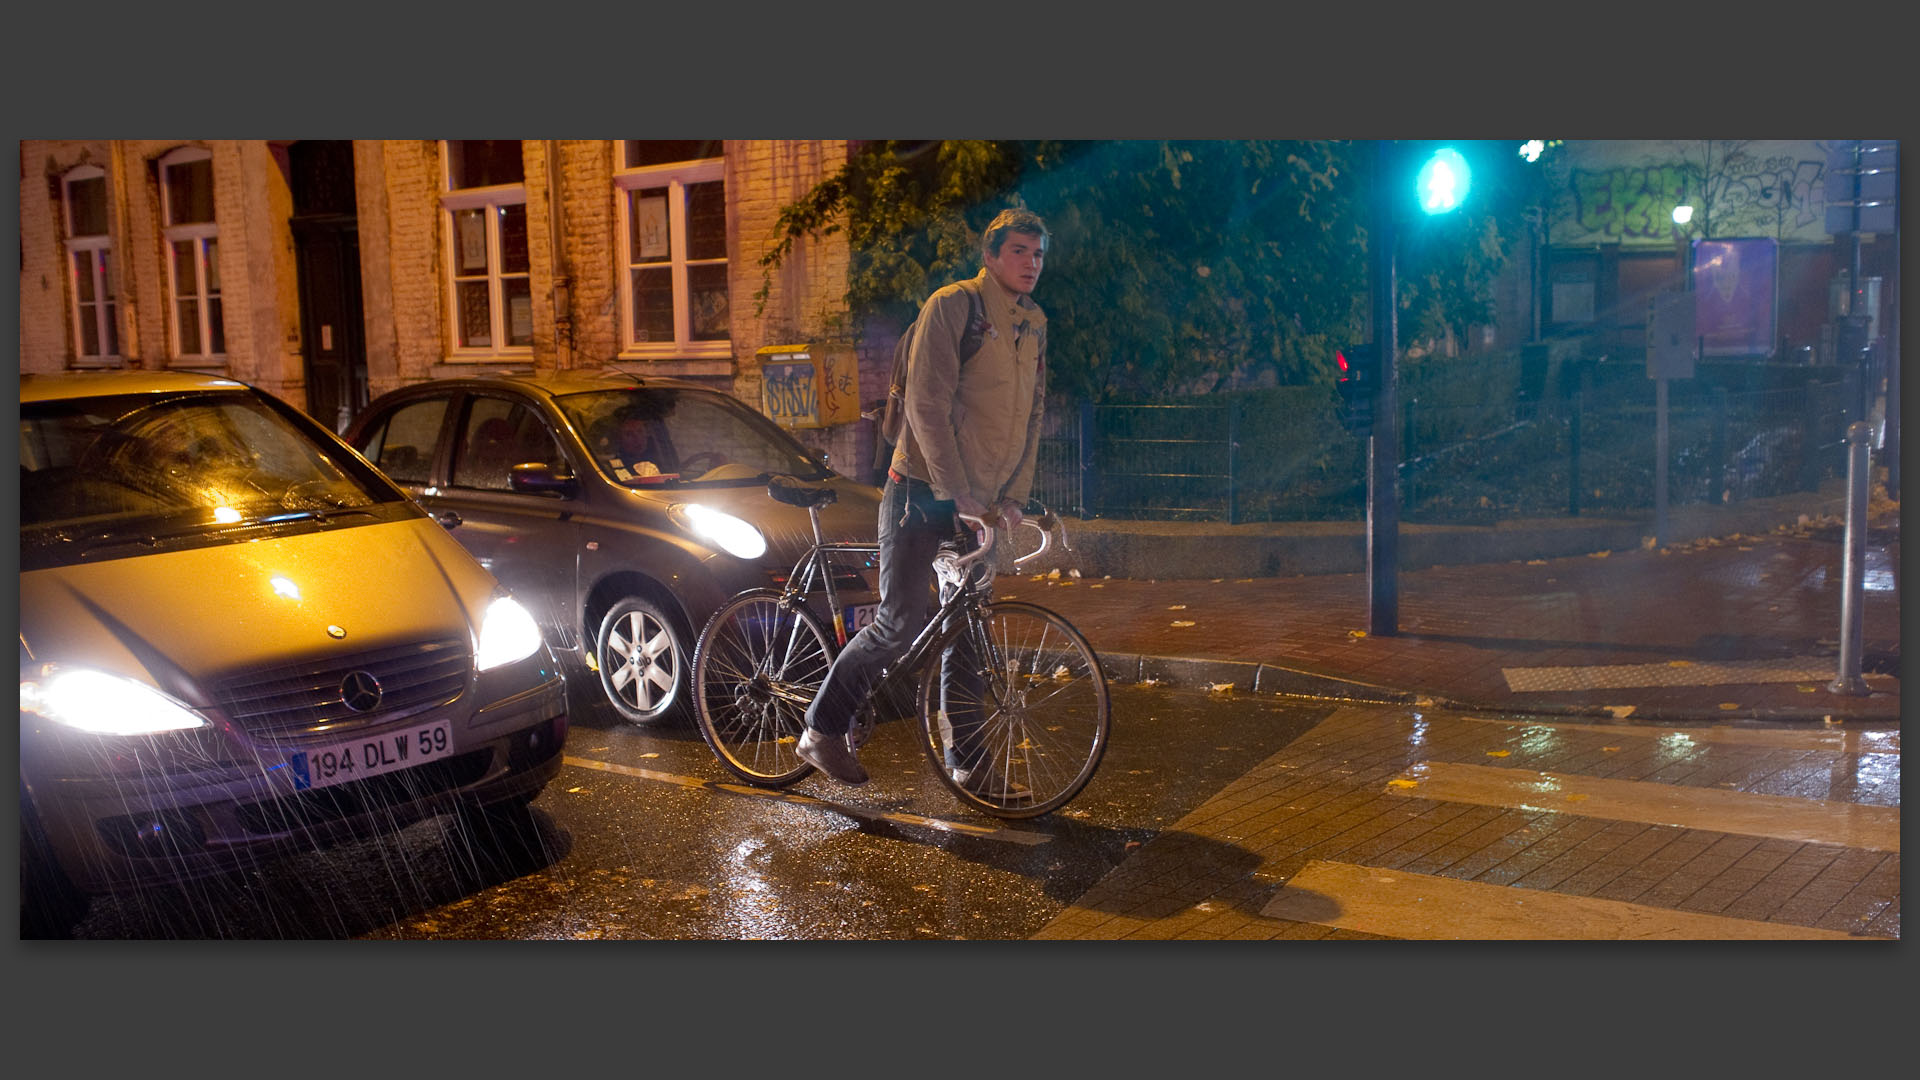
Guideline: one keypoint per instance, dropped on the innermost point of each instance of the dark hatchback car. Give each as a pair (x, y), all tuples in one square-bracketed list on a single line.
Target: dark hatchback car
[(621, 509)]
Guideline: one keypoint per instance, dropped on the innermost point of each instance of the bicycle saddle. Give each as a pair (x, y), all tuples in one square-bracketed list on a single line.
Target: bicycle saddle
[(795, 492)]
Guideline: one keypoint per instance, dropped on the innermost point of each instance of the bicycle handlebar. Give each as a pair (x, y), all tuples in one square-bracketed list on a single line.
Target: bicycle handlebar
[(1045, 522)]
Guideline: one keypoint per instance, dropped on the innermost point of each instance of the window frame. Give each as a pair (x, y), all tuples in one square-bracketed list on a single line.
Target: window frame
[(98, 250), (200, 234), (492, 197), (675, 177)]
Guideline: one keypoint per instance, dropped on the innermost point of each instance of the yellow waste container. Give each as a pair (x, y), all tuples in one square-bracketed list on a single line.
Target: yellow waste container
[(809, 386)]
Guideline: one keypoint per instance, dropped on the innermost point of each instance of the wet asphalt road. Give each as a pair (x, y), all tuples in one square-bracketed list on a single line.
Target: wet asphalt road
[(644, 836)]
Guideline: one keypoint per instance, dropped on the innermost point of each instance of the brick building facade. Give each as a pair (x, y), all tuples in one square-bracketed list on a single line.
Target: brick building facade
[(453, 256)]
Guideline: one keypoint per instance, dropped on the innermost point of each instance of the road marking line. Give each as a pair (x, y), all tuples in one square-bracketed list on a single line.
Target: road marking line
[(1875, 828), (1840, 742), (984, 832), (1609, 676), (1397, 904)]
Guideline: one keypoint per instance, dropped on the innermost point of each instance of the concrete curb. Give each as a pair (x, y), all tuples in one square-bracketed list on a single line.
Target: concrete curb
[(1254, 676), (1190, 673)]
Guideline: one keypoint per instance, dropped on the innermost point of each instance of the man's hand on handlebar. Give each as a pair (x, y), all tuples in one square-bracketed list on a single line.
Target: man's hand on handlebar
[(1009, 513)]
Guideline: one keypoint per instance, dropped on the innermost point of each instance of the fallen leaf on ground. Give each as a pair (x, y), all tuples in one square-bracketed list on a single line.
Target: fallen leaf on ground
[(1610, 749), (1220, 687), (1598, 554), (1403, 783), (1356, 633), (1621, 712), (1536, 562), (1679, 663), (1576, 797), (1499, 753), (1729, 705), (1176, 607), (1183, 622)]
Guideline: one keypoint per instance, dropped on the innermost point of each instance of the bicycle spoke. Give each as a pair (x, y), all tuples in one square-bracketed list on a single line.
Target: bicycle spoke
[(758, 665), (1032, 715)]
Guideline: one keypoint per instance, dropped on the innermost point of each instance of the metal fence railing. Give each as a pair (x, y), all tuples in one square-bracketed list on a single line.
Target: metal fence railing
[(1280, 454)]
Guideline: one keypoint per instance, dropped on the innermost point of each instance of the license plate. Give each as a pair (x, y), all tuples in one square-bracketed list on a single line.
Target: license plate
[(357, 759), (859, 615)]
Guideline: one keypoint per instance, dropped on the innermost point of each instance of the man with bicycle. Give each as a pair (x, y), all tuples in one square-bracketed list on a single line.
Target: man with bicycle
[(968, 446)]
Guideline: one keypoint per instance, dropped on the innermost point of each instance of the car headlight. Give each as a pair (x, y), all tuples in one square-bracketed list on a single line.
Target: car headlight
[(104, 704), (733, 536), (507, 633)]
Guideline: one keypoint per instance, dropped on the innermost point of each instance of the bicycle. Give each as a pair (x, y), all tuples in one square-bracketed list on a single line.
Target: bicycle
[(1042, 704)]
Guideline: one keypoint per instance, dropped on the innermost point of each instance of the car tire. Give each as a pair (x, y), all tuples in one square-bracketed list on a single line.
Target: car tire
[(50, 905), (645, 657)]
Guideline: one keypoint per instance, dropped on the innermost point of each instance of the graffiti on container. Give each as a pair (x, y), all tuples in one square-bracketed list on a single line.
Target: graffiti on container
[(790, 394), (839, 386), (1771, 196)]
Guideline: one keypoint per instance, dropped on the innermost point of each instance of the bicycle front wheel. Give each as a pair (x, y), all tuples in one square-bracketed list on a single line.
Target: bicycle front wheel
[(1021, 708), (759, 663)]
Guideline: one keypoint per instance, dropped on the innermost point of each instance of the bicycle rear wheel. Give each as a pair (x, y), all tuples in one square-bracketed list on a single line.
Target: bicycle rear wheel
[(1028, 705), (758, 665)]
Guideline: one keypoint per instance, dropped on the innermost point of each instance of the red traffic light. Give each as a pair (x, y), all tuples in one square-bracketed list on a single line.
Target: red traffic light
[(1356, 363)]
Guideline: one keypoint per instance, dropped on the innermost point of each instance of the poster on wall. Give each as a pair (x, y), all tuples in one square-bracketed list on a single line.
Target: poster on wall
[(650, 226), (1734, 287)]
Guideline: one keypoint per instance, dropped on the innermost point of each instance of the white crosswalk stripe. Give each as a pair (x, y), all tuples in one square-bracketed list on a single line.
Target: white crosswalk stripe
[(1816, 821)]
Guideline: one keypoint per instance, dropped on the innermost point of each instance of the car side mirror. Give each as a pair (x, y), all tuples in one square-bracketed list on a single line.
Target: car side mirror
[(539, 478)]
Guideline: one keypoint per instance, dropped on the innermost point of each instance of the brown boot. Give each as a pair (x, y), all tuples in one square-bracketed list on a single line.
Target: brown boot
[(830, 755)]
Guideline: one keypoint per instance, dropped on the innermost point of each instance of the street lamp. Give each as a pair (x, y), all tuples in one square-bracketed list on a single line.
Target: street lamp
[(1682, 214)]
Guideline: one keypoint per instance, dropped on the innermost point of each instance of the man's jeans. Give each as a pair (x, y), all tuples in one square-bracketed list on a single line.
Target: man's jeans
[(913, 524)]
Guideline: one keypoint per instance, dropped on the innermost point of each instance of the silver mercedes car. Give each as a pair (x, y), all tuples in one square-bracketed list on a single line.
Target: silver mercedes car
[(237, 638)]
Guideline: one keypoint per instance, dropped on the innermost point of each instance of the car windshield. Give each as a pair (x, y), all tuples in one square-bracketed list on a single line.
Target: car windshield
[(659, 437), (116, 466)]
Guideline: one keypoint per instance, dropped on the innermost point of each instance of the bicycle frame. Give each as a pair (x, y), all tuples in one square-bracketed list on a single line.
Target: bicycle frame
[(766, 667), (963, 598)]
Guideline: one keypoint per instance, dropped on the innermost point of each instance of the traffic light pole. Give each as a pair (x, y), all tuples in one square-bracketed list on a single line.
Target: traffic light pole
[(1383, 445)]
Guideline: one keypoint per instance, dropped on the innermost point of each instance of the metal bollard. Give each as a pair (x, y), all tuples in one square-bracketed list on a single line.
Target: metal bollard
[(1854, 566)]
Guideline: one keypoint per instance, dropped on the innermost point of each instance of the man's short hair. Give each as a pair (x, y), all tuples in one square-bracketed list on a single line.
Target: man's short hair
[(1018, 220)]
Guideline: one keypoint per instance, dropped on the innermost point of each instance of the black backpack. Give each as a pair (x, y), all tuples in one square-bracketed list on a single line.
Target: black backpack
[(893, 417)]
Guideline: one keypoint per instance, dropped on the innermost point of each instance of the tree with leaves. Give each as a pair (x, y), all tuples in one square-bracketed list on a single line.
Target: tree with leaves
[(1175, 265)]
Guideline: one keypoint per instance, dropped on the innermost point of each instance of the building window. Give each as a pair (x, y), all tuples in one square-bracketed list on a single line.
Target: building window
[(96, 334), (672, 200), (193, 255), (489, 287)]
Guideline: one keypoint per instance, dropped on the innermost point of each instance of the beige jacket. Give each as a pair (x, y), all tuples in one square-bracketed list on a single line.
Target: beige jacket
[(975, 427)]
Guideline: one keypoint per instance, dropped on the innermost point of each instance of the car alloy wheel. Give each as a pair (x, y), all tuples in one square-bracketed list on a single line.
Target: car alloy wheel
[(642, 660)]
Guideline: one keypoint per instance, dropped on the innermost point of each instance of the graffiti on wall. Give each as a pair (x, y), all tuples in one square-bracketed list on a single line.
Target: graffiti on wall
[(1780, 195)]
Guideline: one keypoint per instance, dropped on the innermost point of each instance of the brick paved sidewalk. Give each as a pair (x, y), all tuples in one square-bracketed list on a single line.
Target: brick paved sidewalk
[(1353, 793), (1737, 627)]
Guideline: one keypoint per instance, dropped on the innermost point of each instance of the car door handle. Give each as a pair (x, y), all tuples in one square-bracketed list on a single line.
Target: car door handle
[(448, 520)]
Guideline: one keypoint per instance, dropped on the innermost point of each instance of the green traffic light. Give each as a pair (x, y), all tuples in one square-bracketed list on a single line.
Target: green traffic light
[(1443, 181)]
